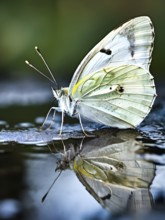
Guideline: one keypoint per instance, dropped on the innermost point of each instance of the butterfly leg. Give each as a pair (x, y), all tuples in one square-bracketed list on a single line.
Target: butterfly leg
[(52, 108), (81, 144), (64, 147), (62, 122), (86, 135)]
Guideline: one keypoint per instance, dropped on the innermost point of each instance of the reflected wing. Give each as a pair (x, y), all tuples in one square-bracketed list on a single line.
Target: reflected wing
[(119, 96), (118, 164), (115, 178), (117, 198), (132, 43)]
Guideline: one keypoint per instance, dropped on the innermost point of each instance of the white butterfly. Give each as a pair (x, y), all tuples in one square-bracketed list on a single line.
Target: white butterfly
[(113, 85)]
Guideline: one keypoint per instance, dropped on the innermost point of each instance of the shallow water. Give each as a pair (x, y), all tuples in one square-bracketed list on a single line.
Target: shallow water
[(28, 158)]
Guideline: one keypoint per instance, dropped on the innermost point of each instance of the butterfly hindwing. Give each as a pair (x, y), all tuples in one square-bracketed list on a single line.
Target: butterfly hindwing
[(132, 43), (119, 96)]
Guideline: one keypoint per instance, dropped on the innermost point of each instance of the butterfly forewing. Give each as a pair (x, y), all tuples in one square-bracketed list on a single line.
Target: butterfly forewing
[(132, 43)]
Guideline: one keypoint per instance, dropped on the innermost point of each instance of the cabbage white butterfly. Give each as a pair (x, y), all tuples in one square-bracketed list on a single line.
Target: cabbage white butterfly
[(112, 85)]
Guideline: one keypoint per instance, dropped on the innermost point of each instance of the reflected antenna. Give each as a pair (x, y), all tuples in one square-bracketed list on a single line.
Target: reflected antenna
[(44, 197)]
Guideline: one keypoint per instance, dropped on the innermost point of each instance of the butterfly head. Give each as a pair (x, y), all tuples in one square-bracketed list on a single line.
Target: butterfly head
[(57, 93), (63, 164), (65, 102), (68, 157)]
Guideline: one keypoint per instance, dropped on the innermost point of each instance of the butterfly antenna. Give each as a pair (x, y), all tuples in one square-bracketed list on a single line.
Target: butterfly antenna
[(33, 67), (40, 54), (44, 197)]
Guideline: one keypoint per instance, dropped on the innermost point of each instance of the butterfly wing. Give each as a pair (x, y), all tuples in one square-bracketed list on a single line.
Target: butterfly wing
[(115, 178), (117, 199), (118, 96), (110, 197), (132, 43), (117, 164)]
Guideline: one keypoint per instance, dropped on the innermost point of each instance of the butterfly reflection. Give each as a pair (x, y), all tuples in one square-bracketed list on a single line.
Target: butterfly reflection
[(112, 172)]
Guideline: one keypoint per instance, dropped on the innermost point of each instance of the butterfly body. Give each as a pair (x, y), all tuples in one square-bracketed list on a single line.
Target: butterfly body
[(113, 85), (65, 103)]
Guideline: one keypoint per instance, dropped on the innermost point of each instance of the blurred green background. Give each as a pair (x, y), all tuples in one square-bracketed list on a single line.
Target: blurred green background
[(65, 30)]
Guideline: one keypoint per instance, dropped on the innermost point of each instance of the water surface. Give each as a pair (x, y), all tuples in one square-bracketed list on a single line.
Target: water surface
[(29, 156)]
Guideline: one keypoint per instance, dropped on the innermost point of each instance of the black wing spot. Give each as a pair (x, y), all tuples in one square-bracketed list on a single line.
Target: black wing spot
[(132, 53), (132, 49), (108, 196), (121, 89), (110, 88), (106, 51)]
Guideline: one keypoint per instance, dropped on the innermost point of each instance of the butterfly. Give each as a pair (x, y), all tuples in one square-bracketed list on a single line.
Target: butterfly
[(113, 85), (111, 171)]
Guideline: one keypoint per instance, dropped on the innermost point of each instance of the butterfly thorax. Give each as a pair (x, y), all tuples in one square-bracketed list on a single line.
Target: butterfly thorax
[(65, 102)]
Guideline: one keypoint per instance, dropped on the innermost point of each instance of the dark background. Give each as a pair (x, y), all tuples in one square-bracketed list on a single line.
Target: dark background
[(66, 30)]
